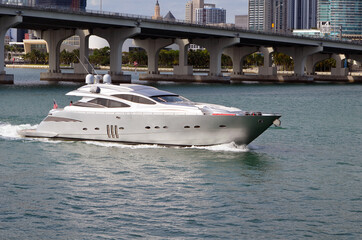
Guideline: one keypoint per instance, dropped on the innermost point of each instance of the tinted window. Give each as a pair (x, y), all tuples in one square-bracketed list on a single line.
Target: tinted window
[(114, 104), (135, 99), (170, 99), (108, 103), (87, 104)]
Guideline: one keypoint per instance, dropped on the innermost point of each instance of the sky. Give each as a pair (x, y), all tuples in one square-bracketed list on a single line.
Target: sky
[(177, 7)]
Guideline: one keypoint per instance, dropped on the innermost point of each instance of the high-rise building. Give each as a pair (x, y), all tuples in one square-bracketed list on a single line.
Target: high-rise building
[(341, 17), (277, 16), (191, 6), (197, 11), (268, 15), (210, 15), (302, 14), (73, 4), (189, 12), (256, 15)]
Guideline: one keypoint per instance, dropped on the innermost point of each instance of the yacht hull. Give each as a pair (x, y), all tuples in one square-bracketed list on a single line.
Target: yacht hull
[(178, 130)]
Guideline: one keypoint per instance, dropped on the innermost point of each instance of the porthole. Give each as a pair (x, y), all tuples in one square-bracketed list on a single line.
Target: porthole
[(97, 129), (165, 127), (196, 126), (222, 126), (157, 127), (118, 117), (121, 128), (85, 129), (187, 127), (148, 127)]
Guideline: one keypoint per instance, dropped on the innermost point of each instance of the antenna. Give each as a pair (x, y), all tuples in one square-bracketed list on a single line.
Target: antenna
[(91, 65), (82, 64)]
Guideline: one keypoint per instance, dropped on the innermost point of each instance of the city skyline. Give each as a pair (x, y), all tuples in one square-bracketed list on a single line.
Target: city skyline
[(232, 7)]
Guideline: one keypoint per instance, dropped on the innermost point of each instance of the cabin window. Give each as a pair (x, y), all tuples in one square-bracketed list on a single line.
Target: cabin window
[(134, 98), (108, 103), (87, 104), (170, 99)]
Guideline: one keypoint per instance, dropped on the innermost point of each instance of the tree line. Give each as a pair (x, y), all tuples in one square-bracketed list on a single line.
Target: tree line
[(169, 58)]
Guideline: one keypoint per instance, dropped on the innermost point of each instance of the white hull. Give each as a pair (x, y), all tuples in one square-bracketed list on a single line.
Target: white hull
[(186, 130)]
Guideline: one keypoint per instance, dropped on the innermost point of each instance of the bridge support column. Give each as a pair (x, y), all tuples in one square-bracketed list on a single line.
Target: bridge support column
[(5, 24), (153, 47), (116, 38), (339, 70), (54, 39), (215, 46), (267, 69), (83, 66), (299, 55), (183, 68), (312, 60), (237, 55)]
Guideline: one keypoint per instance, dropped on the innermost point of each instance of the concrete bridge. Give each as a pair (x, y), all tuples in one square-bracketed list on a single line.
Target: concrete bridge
[(56, 25)]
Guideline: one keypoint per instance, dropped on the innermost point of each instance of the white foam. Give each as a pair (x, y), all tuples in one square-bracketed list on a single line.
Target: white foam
[(228, 147), (9, 131)]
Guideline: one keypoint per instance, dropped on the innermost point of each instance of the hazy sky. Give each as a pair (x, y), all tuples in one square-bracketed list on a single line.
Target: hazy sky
[(177, 7)]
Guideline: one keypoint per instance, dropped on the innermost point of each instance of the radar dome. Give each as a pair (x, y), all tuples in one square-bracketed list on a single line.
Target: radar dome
[(107, 79), (89, 79)]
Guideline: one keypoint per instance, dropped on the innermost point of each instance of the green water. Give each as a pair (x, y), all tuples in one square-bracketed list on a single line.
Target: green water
[(298, 181)]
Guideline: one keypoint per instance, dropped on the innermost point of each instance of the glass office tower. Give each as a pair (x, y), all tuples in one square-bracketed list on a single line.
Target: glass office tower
[(342, 16)]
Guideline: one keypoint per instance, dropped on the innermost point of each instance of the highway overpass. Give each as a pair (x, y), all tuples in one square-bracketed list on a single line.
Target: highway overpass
[(55, 25)]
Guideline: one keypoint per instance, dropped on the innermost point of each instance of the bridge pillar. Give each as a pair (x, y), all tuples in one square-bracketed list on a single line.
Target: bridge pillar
[(153, 47), (267, 69), (215, 46), (339, 70), (83, 66), (54, 39), (182, 68), (299, 55), (312, 60), (237, 55), (5, 24), (116, 38)]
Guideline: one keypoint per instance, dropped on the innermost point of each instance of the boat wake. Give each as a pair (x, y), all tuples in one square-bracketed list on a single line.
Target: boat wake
[(10, 132), (228, 147)]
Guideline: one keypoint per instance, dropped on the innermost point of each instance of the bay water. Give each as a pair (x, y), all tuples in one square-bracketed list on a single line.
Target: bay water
[(300, 180)]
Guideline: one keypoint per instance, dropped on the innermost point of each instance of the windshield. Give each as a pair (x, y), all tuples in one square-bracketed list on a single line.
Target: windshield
[(170, 99)]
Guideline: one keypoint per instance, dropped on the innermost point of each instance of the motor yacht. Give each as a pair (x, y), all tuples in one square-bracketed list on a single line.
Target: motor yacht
[(139, 114)]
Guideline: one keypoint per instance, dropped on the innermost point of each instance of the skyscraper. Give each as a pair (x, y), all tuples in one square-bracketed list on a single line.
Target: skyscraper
[(268, 15), (256, 15), (210, 15), (341, 16), (191, 6), (189, 12), (302, 14)]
